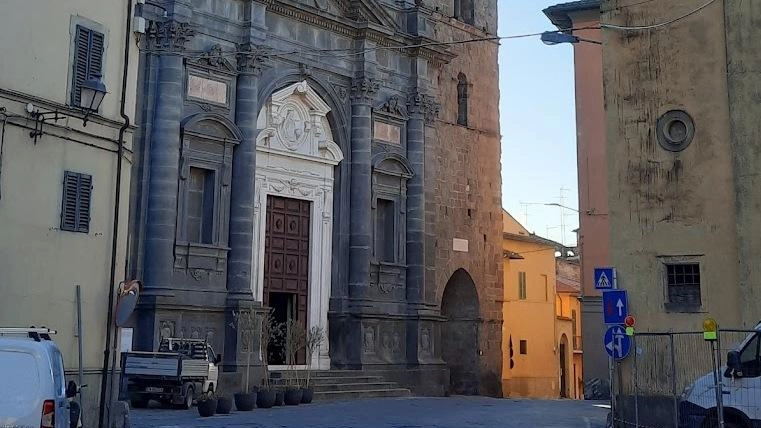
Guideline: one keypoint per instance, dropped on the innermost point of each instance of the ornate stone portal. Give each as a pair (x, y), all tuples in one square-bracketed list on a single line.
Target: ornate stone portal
[(295, 158)]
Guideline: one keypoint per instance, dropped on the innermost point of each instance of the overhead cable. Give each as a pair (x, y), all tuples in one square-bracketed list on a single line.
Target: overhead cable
[(654, 26)]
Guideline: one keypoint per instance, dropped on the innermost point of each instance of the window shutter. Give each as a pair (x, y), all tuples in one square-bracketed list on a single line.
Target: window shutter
[(69, 205), (83, 203), (88, 60), (75, 208), (96, 55)]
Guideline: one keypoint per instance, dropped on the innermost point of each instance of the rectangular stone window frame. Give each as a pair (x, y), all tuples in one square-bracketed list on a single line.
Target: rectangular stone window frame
[(523, 347), (682, 307), (221, 166), (80, 21), (399, 228), (227, 79)]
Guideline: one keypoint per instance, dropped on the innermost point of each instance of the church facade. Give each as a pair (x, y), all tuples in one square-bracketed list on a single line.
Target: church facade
[(332, 160)]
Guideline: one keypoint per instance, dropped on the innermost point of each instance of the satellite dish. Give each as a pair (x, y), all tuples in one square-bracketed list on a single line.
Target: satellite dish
[(128, 295)]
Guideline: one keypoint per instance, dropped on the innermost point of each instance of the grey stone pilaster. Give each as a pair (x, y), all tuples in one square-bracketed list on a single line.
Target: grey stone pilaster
[(243, 174), (168, 40), (250, 59), (363, 93), (416, 199)]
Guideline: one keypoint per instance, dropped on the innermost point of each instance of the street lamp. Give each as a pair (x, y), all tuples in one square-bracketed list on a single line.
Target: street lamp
[(555, 204), (93, 91), (558, 37)]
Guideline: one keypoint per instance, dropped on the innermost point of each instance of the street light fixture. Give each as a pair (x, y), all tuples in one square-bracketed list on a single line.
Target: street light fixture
[(558, 37), (93, 91), (555, 204)]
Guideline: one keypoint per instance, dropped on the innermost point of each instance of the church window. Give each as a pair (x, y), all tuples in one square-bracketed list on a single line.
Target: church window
[(464, 11)]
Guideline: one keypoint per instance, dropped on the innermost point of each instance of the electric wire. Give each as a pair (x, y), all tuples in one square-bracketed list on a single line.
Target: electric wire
[(655, 26)]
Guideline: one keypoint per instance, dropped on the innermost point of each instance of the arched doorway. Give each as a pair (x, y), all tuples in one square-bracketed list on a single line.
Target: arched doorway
[(459, 336), (563, 356), (293, 212)]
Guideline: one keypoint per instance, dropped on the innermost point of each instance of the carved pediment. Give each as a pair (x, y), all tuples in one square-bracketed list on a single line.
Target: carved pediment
[(392, 164), (294, 122), (215, 59)]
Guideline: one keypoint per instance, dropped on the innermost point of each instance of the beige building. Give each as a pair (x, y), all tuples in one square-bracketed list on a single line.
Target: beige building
[(58, 177), (682, 148)]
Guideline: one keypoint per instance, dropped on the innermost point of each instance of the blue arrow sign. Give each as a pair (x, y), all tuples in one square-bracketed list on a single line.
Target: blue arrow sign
[(617, 343), (605, 278), (615, 306)]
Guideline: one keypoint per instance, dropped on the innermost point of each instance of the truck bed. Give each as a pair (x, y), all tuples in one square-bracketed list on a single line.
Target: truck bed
[(161, 364)]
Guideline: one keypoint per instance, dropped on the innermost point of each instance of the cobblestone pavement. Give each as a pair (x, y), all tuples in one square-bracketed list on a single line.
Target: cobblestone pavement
[(452, 412)]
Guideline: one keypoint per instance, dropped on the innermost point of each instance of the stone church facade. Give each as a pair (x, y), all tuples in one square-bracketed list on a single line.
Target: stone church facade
[(300, 155)]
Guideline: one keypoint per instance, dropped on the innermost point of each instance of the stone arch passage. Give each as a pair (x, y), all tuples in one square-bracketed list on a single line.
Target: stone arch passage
[(459, 336)]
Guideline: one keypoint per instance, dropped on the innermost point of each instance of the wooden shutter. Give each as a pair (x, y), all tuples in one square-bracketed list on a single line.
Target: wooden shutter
[(75, 208), (88, 60)]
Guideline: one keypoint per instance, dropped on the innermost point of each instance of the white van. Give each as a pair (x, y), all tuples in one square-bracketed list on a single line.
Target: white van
[(741, 381), (33, 390)]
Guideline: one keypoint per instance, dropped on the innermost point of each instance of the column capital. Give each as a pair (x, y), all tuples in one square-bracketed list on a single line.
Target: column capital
[(169, 36), (420, 103), (252, 58), (364, 90)]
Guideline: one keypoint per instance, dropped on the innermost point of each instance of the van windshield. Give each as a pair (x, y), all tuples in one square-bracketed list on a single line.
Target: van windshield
[(20, 384)]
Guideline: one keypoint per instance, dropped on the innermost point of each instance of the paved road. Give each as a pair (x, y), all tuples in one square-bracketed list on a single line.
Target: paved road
[(452, 412)]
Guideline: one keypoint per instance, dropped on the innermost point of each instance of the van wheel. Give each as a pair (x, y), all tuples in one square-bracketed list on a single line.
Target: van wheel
[(138, 403), (188, 399)]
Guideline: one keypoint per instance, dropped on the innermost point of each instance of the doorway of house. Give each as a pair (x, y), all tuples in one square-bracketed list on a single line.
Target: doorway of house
[(286, 269), (563, 370)]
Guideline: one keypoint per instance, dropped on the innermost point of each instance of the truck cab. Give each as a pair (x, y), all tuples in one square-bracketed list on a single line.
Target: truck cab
[(741, 395)]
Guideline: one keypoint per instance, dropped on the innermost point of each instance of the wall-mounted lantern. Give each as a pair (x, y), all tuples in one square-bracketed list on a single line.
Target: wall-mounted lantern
[(92, 93)]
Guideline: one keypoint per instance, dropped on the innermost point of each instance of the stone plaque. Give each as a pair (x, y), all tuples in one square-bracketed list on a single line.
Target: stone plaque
[(387, 132), (460, 245), (207, 89)]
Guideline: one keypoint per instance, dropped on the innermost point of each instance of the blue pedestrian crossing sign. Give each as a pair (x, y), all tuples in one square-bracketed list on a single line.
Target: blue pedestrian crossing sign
[(605, 278), (617, 343), (615, 306)]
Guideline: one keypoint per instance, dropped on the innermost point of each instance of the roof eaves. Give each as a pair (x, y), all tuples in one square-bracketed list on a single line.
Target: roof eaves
[(559, 13)]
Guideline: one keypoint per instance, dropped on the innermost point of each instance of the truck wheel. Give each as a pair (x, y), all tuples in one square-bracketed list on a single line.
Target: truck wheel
[(187, 401), (138, 403)]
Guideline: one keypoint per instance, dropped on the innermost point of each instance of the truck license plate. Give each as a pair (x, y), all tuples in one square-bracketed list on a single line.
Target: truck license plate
[(154, 389)]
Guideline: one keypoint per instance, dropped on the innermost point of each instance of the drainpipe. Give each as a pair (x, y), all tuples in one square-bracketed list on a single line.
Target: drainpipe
[(115, 231)]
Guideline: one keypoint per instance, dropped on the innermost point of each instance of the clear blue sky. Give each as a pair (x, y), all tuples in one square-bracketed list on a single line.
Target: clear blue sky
[(537, 121)]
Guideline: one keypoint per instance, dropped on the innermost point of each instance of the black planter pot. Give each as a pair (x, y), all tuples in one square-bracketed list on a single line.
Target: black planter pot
[(224, 405), (279, 395), (307, 395), (265, 398), (207, 408), (292, 396), (245, 402)]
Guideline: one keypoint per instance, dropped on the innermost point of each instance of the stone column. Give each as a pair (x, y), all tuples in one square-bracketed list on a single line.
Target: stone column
[(416, 198), (169, 39), (363, 93), (239, 260)]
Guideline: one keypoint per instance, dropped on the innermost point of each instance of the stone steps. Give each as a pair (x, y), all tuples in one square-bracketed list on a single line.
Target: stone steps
[(344, 384)]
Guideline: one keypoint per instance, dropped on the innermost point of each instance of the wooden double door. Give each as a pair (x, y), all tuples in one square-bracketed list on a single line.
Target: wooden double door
[(286, 267)]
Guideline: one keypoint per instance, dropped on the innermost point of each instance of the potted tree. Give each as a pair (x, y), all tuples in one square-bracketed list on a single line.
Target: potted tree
[(207, 404), (266, 397), (224, 403), (294, 342), (315, 337), (245, 321)]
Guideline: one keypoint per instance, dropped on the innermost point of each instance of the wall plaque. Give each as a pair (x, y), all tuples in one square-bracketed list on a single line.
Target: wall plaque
[(387, 132), (207, 89)]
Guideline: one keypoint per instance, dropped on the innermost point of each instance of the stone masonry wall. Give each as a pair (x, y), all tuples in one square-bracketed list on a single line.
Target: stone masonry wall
[(463, 183)]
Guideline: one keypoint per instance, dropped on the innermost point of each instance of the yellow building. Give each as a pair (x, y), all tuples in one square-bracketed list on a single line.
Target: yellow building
[(539, 332), (568, 327), (59, 162)]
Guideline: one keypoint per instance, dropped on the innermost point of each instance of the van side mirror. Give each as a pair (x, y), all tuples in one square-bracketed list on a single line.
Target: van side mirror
[(71, 389), (733, 360), (218, 359)]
